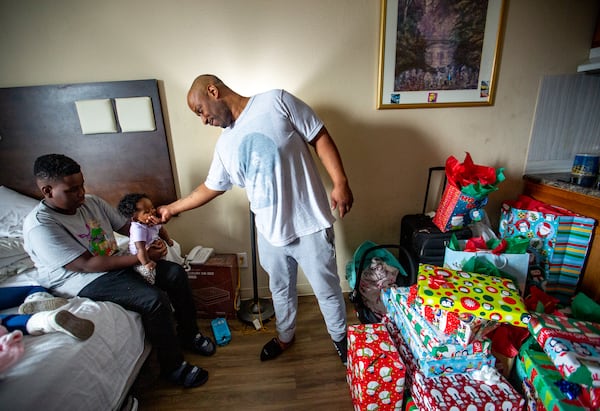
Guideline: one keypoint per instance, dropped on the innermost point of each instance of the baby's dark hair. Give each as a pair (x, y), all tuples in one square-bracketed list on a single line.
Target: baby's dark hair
[(54, 166), (127, 204)]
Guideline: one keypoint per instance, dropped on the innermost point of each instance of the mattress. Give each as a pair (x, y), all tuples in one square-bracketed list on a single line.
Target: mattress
[(58, 372)]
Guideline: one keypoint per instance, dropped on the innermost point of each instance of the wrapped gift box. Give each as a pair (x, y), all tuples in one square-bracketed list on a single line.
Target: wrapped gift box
[(375, 371), (542, 326), (410, 404), (434, 365), (461, 328), (436, 344), (544, 383), (485, 296), (409, 361), (457, 390), (462, 392), (577, 362), (465, 328)]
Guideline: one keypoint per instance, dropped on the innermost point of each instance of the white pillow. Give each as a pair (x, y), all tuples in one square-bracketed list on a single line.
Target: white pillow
[(15, 268), (11, 246), (13, 258), (13, 209)]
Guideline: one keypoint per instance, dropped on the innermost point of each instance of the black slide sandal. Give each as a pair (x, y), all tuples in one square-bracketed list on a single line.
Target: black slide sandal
[(189, 376), (271, 350)]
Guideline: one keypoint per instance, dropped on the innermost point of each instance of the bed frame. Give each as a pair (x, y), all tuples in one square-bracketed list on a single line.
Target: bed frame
[(40, 120)]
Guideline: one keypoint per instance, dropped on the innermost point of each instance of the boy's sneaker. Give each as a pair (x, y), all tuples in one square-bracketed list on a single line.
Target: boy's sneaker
[(203, 345), (38, 302), (69, 323), (342, 350)]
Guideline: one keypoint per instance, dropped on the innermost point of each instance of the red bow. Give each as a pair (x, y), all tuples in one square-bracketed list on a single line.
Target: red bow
[(439, 281)]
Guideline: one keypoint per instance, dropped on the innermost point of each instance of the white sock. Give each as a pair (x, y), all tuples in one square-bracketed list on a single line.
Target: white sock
[(39, 323), (60, 321)]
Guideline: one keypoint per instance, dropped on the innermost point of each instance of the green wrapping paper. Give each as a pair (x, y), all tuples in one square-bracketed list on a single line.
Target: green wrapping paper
[(536, 368)]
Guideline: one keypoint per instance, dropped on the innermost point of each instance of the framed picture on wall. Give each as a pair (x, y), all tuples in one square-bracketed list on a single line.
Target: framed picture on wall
[(439, 53)]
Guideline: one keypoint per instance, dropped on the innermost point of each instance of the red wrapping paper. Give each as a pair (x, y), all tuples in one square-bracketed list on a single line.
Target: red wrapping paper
[(375, 371), (543, 326), (453, 392), (466, 173)]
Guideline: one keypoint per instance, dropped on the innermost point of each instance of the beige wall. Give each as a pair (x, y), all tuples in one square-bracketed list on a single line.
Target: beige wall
[(324, 51)]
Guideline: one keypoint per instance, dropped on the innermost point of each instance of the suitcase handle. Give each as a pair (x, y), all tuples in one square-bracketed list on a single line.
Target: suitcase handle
[(431, 170)]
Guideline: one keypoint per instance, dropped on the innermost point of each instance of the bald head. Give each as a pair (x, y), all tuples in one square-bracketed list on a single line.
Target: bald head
[(214, 102), (203, 81)]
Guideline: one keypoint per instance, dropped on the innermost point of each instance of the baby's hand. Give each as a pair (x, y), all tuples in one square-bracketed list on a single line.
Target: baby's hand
[(170, 242), (150, 266), (154, 219)]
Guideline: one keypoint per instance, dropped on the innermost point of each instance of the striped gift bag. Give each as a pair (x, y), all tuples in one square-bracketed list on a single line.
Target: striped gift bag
[(559, 240), (572, 242)]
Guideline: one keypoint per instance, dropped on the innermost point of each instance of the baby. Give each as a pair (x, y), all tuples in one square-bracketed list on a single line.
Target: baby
[(139, 208)]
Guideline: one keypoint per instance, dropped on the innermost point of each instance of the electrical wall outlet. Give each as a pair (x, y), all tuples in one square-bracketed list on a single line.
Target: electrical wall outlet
[(242, 259)]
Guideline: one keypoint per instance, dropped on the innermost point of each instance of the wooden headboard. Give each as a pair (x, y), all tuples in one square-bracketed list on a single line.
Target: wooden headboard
[(43, 119)]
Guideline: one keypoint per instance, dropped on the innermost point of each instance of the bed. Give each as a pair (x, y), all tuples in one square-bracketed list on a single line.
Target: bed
[(58, 372)]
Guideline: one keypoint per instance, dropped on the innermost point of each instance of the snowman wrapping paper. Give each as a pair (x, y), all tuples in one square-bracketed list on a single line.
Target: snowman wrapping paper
[(375, 371), (486, 390), (461, 392), (431, 362)]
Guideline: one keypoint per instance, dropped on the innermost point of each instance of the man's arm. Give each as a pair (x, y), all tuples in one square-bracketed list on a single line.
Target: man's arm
[(341, 195), (197, 198)]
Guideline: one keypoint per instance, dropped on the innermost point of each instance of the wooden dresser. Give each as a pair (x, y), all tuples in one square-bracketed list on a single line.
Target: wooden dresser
[(582, 201)]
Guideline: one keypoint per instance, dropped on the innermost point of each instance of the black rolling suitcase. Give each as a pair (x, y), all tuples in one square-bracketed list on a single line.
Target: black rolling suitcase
[(423, 240)]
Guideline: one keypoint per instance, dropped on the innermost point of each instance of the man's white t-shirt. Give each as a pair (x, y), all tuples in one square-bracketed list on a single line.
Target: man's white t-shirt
[(266, 152)]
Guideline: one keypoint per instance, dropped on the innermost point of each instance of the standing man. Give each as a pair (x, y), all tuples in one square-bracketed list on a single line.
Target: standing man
[(264, 147)]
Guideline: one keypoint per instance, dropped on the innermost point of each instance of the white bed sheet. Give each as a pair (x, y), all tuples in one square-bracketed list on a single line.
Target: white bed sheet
[(58, 372)]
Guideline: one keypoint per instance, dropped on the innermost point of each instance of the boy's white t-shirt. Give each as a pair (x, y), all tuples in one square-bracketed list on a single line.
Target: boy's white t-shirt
[(266, 152), (53, 240)]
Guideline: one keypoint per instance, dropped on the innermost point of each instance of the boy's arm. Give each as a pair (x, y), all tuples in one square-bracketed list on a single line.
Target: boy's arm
[(87, 263)]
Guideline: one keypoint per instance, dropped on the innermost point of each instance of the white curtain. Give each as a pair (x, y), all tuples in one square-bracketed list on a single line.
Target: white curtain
[(566, 122)]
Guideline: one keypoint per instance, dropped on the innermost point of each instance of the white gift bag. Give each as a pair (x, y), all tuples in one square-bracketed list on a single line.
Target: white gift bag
[(514, 265)]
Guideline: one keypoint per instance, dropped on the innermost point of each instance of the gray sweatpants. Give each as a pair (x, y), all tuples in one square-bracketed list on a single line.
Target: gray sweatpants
[(315, 254)]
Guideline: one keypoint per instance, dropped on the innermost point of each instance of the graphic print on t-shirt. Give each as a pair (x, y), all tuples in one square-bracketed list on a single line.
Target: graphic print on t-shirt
[(99, 242), (258, 158)]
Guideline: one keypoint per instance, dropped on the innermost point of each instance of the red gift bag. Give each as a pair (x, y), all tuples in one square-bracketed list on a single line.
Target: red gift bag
[(466, 192), (455, 209)]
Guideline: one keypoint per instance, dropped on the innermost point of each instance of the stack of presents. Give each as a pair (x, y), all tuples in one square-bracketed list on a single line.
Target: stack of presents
[(500, 326)]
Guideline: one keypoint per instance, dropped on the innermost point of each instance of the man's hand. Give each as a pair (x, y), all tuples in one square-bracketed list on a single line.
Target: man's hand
[(342, 199), (162, 215)]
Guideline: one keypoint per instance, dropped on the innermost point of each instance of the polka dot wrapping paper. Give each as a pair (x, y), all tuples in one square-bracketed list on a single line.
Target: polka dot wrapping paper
[(489, 297)]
